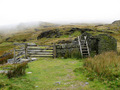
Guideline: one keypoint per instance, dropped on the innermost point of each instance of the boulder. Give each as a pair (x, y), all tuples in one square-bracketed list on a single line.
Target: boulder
[(50, 34)]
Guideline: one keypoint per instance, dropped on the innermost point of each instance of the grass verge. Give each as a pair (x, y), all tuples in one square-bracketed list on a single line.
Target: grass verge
[(105, 68), (51, 74)]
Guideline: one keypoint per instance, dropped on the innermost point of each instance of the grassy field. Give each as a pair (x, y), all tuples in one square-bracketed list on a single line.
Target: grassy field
[(59, 74), (5, 47), (52, 74)]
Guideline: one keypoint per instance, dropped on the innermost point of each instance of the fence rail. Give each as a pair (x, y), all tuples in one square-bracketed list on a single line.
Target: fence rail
[(34, 51)]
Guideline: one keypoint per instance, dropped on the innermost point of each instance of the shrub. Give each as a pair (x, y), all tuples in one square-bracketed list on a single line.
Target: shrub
[(17, 70), (106, 67), (4, 59)]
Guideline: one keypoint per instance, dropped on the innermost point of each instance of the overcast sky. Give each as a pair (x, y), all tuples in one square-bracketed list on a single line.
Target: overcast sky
[(63, 11)]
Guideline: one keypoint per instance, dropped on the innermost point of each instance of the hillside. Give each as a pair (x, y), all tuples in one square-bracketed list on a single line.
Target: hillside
[(62, 73), (56, 33), (117, 22)]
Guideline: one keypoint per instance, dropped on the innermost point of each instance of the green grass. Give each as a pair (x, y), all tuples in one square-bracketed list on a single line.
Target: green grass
[(105, 68), (5, 47), (46, 72)]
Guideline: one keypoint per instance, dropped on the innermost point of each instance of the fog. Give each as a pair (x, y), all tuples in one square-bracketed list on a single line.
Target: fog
[(15, 12)]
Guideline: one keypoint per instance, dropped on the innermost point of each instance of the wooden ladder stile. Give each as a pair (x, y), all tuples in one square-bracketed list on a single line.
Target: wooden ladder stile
[(84, 49), (87, 48), (79, 39)]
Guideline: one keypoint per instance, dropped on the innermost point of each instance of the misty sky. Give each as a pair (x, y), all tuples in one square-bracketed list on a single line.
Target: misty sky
[(63, 11)]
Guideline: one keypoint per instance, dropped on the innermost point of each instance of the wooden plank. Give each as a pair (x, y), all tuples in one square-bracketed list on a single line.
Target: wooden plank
[(39, 47), (46, 45), (54, 51), (26, 51), (20, 55), (40, 50), (79, 39), (41, 55)]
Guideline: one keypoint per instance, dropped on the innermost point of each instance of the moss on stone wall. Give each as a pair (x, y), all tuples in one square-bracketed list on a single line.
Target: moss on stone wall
[(97, 45), (106, 43), (68, 51)]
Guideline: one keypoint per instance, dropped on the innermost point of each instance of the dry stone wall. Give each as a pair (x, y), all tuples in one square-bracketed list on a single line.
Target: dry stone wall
[(68, 50), (97, 45)]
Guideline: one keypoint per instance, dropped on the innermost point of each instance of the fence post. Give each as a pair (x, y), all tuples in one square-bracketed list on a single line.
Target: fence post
[(54, 51), (14, 56), (26, 50)]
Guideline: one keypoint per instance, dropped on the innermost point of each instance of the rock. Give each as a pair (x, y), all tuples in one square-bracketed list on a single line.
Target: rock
[(36, 29), (79, 29), (64, 41), (4, 71), (11, 61), (86, 83), (50, 34), (58, 83), (29, 72), (7, 38), (33, 59), (23, 60)]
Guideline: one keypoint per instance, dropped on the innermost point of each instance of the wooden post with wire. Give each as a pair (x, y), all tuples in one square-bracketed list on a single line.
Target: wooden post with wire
[(26, 50), (54, 51)]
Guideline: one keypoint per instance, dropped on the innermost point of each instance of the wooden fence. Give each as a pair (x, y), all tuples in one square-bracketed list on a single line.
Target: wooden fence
[(31, 50)]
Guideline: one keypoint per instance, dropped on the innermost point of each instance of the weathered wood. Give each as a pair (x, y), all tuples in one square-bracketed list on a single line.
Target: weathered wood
[(34, 50), (41, 55), (26, 51), (40, 50), (20, 53), (87, 48), (79, 40), (54, 51), (46, 46)]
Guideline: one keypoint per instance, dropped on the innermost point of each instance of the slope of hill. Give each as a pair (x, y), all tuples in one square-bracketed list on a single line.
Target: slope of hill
[(117, 22), (57, 33), (46, 72)]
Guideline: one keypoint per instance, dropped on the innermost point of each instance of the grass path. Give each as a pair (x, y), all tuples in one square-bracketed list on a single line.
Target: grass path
[(57, 74), (52, 74)]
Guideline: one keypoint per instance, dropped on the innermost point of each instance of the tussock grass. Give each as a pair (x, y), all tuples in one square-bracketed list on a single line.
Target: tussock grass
[(17, 70), (106, 67)]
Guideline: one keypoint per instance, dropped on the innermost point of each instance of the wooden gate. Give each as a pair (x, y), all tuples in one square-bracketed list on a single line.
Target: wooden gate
[(40, 51), (19, 51), (33, 50)]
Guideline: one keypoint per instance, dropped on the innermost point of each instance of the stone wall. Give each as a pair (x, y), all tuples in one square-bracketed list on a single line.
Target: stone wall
[(68, 50), (97, 45), (106, 43)]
